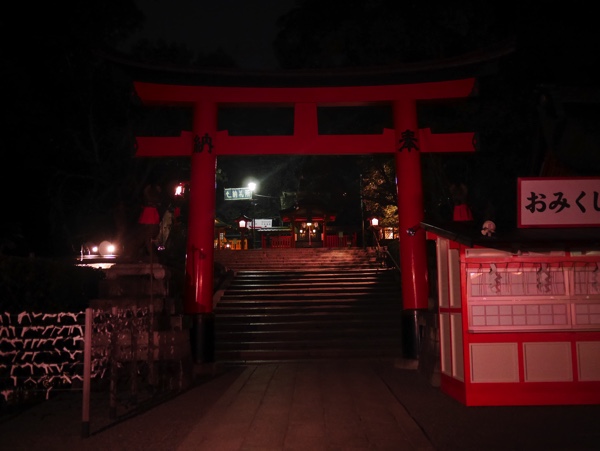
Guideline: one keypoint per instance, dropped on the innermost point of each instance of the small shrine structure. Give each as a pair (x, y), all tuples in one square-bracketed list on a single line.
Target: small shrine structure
[(519, 310)]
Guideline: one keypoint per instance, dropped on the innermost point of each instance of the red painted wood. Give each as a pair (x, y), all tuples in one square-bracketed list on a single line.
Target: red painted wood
[(521, 394), (164, 94), (200, 241), (302, 143), (533, 393), (413, 259), (453, 387)]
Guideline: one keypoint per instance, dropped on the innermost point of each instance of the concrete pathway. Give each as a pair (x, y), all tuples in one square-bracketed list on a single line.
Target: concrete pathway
[(331, 406)]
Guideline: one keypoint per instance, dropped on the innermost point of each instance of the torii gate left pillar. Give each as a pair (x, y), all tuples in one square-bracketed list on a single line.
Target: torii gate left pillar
[(198, 290)]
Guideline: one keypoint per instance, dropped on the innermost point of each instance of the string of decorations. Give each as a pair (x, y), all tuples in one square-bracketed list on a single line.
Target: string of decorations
[(43, 352)]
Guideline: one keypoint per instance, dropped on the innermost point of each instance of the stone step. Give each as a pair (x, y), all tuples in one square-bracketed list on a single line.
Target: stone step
[(318, 259), (322, 342), (305, 325), (374, 285), (270, 314), (314, 272), (241, 357), (296, 267), (333, 295)]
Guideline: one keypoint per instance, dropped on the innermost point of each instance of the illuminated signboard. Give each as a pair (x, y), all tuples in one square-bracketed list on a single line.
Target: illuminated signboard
[(558, 202), (238, 194)]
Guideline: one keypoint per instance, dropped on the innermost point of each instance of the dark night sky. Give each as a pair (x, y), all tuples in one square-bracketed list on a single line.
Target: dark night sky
[(564, 39), (242, 28)]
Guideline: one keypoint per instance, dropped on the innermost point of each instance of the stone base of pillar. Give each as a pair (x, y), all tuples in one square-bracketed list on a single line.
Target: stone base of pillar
[(202, 335), (412, 333)]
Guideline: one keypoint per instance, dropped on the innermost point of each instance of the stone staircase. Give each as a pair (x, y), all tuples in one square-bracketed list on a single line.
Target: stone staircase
[(301, 259), (307, 304)]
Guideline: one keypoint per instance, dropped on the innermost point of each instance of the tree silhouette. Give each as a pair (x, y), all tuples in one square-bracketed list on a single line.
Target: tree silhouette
[(355, 33), (69, 122)]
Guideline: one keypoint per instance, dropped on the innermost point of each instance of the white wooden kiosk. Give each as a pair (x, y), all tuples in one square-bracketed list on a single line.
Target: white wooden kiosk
[(519, 311)]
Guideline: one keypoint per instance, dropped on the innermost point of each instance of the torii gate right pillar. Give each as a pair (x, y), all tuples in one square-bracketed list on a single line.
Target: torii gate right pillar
[(413, 259)]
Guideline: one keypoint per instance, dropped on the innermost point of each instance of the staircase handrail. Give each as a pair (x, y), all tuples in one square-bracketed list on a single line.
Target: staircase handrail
[(380, 250)]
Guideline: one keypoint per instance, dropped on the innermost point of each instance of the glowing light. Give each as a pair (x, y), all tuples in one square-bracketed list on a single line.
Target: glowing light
[(106, 248), (179, 189)]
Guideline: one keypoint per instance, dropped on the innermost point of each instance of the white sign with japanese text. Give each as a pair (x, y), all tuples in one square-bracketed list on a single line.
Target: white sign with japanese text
[(558, 202), (238, 194), (262, 223)]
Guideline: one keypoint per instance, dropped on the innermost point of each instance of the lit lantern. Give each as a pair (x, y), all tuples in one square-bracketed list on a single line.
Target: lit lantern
[(243, 222)]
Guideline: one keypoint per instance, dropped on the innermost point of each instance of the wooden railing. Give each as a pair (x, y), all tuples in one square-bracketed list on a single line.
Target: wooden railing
[(277, 241), (339, 241)]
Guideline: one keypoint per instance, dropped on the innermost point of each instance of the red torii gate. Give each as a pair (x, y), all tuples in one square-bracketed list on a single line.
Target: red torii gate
[(205, 143)]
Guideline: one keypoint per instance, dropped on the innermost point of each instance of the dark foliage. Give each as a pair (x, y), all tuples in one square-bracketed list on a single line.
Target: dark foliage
[(342, 33), (50, 286), (69, 126)]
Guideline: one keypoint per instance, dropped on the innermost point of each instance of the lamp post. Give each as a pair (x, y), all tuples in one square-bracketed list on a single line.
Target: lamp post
[(362, 210), (374, 227), (252, 187), (242, 222)]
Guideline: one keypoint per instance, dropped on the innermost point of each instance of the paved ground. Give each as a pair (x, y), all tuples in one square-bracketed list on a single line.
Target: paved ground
[(340, 405)]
